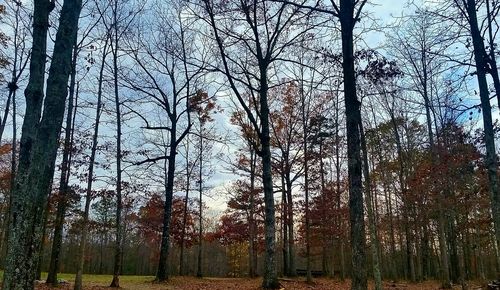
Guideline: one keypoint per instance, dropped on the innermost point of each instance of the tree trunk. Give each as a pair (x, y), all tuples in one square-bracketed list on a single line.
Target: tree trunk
[(6, 112), (38, 274), (284, 225), (13, 169), (90, 178), (119, 206), (480, 57), (184, 216), (337, 184), (306, 187), (270, 275), (445, 276), (64, 180), (39, 142), (493, 68), (353, 119), (12, 85), (292, 269), (324, 255), (199, 272), (251, 219), (162, 273), (371, 217)]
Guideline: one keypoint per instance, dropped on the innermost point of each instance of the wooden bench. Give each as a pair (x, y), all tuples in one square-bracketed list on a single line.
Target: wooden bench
[(314, 273)]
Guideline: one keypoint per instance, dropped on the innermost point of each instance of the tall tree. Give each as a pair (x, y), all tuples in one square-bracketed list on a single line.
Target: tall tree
[(165, 57), (91, 165), (63, 194), (39, 141), (115, 49), (419, 45), (285, 124), (468, 9), (203, 106), (348, 12), (18, 64), (264, 36), (348, 16)]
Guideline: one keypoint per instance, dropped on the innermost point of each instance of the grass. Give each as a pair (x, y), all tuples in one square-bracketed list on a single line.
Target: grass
[(91, 278)]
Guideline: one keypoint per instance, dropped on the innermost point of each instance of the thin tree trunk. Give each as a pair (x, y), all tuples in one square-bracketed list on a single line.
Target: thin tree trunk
[(6, 112), (493, 68), (284, 224), (371, 217), (119, 206), (445, 272), (324, 255), (306, 188), (199, 272), (337, 184), (251, 219), (292, 269), (13, 169), (90, 178), (184, 216)]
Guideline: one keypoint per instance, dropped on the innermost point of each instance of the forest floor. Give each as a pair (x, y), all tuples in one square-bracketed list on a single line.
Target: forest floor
[(100, 282)]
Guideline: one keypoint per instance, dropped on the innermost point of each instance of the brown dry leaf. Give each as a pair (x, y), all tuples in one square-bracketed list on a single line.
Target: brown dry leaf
[(191, 283)]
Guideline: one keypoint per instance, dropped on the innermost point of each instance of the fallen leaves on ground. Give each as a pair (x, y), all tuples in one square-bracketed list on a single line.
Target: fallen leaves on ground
[(191, 283)]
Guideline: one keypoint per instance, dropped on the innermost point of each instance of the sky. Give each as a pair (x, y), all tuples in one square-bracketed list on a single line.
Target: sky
[(380, 11)]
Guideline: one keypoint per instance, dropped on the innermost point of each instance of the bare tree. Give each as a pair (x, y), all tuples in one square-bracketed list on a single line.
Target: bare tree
[(348, 13), (468, 9), (64, 189), (261, 34), (91, 166), (20, 53), (167, 72), (18, 64)]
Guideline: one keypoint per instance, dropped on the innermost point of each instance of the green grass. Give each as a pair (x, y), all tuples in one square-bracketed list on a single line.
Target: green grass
[(90, 278)]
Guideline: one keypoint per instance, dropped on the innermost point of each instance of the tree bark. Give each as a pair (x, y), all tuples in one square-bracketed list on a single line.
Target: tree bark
[(199, 272), (285, 224), (39, 142), (270, 275), (337, 187), (374, 242), (119, 204), (13, 169), (39, 261), (480, 57), (292, 271), (305, 128), (251, 218), (184, 216), (6, 112), (353, 119), (64, 180), (162, 273)]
